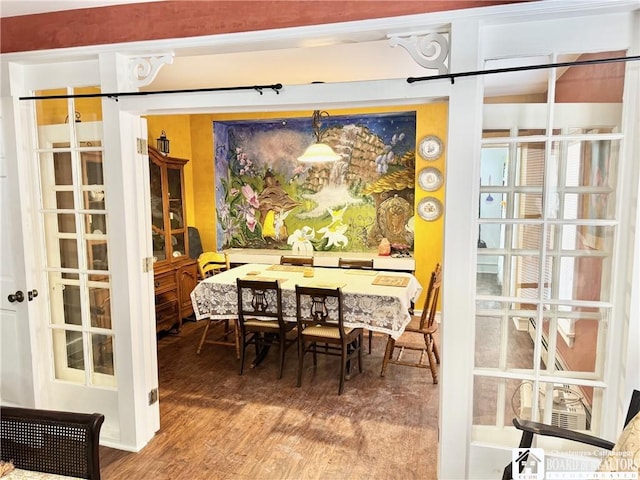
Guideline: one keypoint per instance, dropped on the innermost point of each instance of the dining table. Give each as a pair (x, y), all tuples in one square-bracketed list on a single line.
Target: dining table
[(378, 301)]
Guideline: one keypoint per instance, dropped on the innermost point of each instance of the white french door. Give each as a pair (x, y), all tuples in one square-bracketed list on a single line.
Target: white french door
[(16, 378), (73, 333), (91, 334), (75, 238), (543, 319)]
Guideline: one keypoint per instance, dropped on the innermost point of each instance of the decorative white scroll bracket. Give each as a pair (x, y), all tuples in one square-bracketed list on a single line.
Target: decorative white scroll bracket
[(429, 50), (143, 70)]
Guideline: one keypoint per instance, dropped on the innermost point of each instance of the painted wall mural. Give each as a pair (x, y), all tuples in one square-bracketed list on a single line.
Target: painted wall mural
[(267, 199)]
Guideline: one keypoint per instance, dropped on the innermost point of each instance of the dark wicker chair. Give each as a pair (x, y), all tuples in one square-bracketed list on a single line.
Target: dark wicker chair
[(318, 325), (297, 261), (62, 443), (260, 320), (529, 429), (418, 335)]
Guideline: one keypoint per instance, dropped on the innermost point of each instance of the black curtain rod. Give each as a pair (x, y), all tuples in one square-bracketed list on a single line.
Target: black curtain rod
[(278, 86), (258, 88), (453, 76)]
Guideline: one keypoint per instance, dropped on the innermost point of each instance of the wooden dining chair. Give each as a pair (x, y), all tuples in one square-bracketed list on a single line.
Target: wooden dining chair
[(212, 263), (296, 260), (260, 320), (418, 335), (319, 313), (359, 264)]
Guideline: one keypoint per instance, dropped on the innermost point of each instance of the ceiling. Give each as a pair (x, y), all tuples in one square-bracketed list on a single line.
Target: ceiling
[(346, 62), (374, 60)]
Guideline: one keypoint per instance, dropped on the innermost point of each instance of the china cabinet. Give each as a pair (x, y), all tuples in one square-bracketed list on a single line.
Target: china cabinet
[(175, 274)]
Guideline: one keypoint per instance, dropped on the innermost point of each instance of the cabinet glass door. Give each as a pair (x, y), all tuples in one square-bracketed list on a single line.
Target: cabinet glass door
[(176, 212), (157, 213)]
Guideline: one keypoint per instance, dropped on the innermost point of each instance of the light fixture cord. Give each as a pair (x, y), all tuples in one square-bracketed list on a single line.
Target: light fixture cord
[(316, 123)]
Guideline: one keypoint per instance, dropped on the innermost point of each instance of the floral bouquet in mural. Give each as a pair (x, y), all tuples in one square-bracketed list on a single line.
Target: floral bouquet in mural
[(266, 199)]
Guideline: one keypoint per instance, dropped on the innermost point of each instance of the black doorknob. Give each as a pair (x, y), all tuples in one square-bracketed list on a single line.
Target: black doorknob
[(31, 294), (16, 297)]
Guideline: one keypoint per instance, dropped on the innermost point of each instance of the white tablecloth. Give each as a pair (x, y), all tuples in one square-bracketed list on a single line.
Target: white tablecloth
[(378, 308)]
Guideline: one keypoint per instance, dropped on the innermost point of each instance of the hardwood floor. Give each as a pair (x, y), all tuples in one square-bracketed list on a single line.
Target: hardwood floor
[(216, 424)]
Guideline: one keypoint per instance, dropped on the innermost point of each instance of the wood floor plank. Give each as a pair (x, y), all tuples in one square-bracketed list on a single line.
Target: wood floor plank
[(216, 424)]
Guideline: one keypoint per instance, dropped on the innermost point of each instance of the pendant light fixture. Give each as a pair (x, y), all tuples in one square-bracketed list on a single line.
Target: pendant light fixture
[(318, 152)]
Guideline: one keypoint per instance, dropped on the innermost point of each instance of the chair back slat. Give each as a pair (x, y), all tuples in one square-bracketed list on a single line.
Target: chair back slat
[(356, 263), (319, 309), (296, 260), (431, 299), (259, 298), (210, 263), (319, 306)]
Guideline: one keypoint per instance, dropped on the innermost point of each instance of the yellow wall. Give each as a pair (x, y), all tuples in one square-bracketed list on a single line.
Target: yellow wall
[(191, 137), (55, 111)]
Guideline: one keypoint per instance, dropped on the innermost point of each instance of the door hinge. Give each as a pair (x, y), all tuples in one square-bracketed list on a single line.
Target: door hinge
[(147, 264), (153, 396), (141, 146)]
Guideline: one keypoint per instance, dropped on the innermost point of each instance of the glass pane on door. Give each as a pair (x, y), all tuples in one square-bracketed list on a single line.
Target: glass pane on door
[(574, 339)]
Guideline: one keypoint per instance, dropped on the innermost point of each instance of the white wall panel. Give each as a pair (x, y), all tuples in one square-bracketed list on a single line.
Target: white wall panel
[(599, 33)]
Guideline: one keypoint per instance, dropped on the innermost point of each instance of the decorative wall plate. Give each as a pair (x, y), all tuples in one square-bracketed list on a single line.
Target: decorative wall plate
[(429, 208), (430, 147), (430, 179)]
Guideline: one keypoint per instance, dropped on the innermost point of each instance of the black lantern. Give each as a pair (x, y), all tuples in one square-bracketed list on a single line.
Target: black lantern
[(163, 143)]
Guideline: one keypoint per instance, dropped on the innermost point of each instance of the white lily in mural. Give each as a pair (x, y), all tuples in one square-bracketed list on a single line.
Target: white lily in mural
[(334, 232), (335, 235), (300, 240)]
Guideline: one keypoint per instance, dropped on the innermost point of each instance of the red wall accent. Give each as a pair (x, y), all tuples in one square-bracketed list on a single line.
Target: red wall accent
[(184, 18), (600, 83)]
